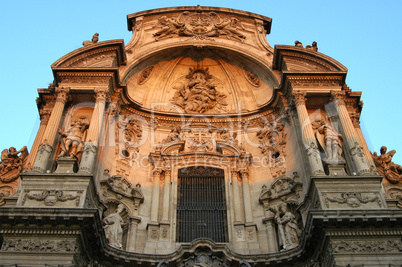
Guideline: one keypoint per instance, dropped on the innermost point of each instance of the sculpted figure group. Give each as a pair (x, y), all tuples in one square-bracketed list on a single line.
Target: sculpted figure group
[(198, 95), (11, 163), (288, 229), (391, 171), (73, 139)]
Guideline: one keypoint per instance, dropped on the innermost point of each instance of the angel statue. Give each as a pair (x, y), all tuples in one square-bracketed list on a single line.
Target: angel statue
[(11, 163), (391, 171), (73, 141), (330, 141)]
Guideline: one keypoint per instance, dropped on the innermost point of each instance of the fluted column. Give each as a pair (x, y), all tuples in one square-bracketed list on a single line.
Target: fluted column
[(46, 147), (309, 140), (351, 137), (155, 196), (44, 119), (248, 214), (236, 196), (92, 140), (166, 196)]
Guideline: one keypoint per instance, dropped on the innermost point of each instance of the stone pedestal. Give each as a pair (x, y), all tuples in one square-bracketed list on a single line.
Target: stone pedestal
[(66, 165)]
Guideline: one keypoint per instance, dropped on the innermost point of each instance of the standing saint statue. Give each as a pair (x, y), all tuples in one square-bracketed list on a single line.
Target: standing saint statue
[(113, 225), (332, 144), (288, 229)]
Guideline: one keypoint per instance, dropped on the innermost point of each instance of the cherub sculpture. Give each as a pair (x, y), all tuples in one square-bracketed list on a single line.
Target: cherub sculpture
[(11, 163), (391, 171)]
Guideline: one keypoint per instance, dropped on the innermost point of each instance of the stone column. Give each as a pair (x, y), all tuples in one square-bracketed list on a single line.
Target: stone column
[(271, 234), (132, 233), (46, 147), (246, 197), (95, 126), (166, 196), (350, 135), (236, 196), (308, 138), (44, 119), (367, 153), (155, 197)]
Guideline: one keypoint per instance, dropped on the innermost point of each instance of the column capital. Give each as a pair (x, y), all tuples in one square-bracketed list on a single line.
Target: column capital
[(101, 94), (299, 97), (355, 120), (62, 94), (338, 97), (244, 174), (157, 172), (44, 116)]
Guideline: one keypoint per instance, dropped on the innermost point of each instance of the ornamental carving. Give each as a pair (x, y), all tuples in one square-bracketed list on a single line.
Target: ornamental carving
[(200, 27), (200, 140), (272, 139), (11, 163), (395, 193), (369, 246), (252, 78), (19, 245), (128, 137), (173, 136), (351, 199), (199, 94), (391, 171), (51, 197), (203, 256), (283, 186), (145, 74)]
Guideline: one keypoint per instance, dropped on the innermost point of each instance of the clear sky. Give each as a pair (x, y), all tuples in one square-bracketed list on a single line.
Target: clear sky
[(362, 35)]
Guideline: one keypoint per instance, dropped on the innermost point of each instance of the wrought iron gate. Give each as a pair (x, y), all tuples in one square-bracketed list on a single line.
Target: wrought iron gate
[(201, 205)]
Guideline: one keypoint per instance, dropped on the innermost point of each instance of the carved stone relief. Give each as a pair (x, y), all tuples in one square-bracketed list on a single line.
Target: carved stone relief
[(145, 74), (199, 94), (272, 139), (201, 140), (11, 163), (391, 171), (20, 245), (203, 256), (395, 193), (252, 78), (200, 26), (351, 199), (369, 246), (52, 197), (129, 133)]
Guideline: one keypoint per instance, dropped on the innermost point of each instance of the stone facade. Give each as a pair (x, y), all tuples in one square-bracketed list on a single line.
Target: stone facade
[(198, 143)]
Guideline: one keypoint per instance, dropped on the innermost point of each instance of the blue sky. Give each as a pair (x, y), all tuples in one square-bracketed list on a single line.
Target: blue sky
[(362, 35)]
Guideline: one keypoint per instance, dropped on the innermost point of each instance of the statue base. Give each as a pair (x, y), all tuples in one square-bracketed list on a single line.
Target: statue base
[(335, 167), (66, 165)]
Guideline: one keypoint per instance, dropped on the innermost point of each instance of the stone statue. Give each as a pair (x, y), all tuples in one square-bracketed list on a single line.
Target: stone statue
[(11, 163), (391, 171), (173, 136), (113, 225), (287, 225), (198, 95), (229, 28), (95, 39), (330, 141), (73, 141)]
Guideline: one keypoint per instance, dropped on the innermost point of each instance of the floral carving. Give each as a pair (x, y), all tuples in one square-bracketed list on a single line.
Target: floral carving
[(199, 94), (353, 200), (51, 197), (11, 163), (391, 171), (39, 245), (252, 78), (199, 26), (369, 246), (145, 74)]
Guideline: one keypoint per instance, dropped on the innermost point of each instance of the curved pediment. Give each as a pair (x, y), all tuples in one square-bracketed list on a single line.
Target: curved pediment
[(108, 54), (299, 59), (211, 81)]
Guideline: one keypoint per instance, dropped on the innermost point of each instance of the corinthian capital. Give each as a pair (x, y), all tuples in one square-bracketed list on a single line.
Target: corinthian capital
[(62, 94), (299, 97), (44, 116), (338, 97), (101, 94)]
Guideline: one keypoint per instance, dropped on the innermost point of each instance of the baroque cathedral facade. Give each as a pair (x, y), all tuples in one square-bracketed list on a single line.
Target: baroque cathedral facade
[(197, 143)]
